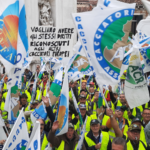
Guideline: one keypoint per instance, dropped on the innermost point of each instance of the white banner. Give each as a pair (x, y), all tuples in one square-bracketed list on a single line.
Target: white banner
[(136, 91), (109, 29)]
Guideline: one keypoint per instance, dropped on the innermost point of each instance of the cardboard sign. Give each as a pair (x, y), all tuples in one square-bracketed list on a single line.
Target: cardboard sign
[(45, 41)]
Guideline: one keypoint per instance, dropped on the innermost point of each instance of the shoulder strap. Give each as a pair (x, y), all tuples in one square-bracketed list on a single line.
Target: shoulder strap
[(143, 144)]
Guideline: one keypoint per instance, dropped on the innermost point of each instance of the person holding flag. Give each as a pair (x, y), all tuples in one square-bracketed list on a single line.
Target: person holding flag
[(42, 87), (67, 141)]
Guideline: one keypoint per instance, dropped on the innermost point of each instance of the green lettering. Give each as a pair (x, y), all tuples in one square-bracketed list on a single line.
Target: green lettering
[(134, 68), (141, 79)]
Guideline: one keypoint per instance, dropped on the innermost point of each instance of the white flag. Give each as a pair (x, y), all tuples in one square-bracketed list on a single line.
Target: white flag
[(3, 134), (136, 91), (18, 138), (14, 43), (63, 108), (109, 30), (34, 142)]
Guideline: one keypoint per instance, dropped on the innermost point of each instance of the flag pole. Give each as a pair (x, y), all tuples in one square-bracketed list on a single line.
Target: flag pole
[(50, 74)]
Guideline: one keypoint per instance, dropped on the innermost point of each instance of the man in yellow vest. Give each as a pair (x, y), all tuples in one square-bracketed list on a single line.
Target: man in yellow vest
[(95, 138), (67, 141), (133, 135), (24, 103), (122, 122)]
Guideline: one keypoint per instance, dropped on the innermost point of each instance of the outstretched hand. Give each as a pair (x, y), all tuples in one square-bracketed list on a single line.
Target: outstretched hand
[(45, 100), (55, 126)]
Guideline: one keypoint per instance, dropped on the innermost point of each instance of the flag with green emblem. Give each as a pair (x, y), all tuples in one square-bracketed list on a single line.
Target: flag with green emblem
[(55, 87), (136, 91)]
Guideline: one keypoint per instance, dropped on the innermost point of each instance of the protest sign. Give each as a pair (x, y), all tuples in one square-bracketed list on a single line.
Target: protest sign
[(50, 41)]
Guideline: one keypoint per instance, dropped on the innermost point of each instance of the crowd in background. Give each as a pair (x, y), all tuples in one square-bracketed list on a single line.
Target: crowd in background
[(119, 128)]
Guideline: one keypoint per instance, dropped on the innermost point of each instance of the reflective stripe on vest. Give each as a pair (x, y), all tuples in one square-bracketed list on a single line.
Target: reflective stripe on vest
[(111, 133), (62, 146), (104, 142)]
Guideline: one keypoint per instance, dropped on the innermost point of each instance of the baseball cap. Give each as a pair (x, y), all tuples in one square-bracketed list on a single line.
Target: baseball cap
[(82, 96), (118, 108), (35, 102), (82, 106), (136, 120), (94, 121), (134, 127), (70, 125)]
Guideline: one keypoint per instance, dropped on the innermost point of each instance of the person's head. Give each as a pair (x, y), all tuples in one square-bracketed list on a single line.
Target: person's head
[(119, 143), (6, 79), (86, 77), (52, 72), (137, 121), (115, 95), (38, 68), (70, 84), (31, 87), (35, 104), (83, 85), (96, 94), (45, 78), (146, 115), (134, 133), (27, 70), (70, 116), (123, 99), (119, 112), (83, 92), (91, 90), (70, 133), (82, 99), (82, 108), (42, 123), (95, 126), (23, 99)]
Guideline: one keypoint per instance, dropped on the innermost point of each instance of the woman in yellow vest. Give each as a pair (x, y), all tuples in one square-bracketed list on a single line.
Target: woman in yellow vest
[(67, 141)]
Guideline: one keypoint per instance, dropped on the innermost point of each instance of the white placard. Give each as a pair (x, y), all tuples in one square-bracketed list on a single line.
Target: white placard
[(46, 41)]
